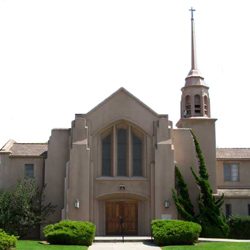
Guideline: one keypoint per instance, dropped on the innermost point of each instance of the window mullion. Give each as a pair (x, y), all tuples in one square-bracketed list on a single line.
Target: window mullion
[(114, 165), (130, 170)]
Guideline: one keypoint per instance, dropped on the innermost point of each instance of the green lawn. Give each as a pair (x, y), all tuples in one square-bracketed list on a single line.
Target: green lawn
[(212, 246), (35, 245)]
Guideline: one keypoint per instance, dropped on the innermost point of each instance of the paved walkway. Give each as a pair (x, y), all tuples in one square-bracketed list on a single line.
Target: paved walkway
[(123, 246), (138, 243), (221, 240)]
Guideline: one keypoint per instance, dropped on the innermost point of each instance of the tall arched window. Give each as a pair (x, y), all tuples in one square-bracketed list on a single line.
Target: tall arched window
[(137, 155), (122, 142), (187, 106), (197, 104), (107, 155), (122, 151)]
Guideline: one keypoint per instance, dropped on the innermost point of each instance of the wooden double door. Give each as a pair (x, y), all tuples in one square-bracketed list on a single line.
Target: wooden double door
[(121, 217)]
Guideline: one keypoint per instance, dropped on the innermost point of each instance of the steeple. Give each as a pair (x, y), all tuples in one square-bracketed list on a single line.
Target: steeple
[(193, 47), (195, 97), (194, 76)]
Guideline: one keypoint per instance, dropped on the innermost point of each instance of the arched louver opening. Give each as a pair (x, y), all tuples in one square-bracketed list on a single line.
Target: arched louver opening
[(187, 111), (205, 105), (197, 105)]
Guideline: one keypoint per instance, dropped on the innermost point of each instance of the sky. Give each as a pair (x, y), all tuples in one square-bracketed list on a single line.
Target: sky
[(59, 58)]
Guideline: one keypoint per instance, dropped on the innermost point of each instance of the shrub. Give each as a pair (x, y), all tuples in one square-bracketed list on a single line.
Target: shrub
[(175, 232), (68, 232), (239, 227), (22, 208), (209, 231), (7, 241)]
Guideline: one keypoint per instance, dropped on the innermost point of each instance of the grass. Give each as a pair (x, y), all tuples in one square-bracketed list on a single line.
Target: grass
[(212, 246), (35, 245)]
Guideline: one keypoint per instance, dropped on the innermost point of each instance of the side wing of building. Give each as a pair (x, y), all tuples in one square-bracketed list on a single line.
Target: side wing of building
[(22, 160), (233, 175)]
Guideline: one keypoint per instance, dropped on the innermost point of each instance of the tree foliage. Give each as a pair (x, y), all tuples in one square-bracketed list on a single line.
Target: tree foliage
[(209, 215), (182, 199), (22, 208)]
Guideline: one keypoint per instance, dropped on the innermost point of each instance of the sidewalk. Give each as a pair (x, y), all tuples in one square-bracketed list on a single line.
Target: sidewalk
[(221, 240), (139, 243), (125, 246)]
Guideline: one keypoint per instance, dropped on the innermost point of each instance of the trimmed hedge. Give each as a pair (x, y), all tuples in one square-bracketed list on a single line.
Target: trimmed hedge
[(7, 241), (175, 232), (67, 232), (209, 231), (239, 227)]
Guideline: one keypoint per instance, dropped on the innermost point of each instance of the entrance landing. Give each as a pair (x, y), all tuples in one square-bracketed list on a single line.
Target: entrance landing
[(123, 246), (120, 239)]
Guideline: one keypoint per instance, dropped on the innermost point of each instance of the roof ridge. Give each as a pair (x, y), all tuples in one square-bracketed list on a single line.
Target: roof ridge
[(31, 143), (122, 89)]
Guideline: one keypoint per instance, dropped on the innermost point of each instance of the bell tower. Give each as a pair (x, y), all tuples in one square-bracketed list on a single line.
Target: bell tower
[(195, 111), (195, 100)]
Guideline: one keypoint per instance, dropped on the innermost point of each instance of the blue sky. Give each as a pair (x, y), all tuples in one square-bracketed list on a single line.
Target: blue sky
[(58, 58)]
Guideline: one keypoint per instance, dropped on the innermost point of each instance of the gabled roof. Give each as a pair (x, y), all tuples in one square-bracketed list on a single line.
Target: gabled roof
[(126, 92), (25, 149), (233, 153)]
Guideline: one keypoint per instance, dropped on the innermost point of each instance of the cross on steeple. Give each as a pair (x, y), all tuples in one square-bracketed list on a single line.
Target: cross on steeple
[(192, 13)]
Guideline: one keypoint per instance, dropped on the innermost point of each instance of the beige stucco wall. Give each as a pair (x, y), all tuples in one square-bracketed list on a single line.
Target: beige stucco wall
[(85, 182), (239, 205), (204, 129), (121, 106), (12, 169), (185, 158), (73, 165), (55, 168), (164, 176), (244, 174)]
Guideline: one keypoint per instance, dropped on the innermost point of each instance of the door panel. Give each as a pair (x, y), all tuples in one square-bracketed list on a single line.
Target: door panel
[(127, 211)]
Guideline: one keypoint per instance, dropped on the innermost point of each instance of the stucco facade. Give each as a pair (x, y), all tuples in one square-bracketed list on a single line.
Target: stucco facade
[(116, 163)]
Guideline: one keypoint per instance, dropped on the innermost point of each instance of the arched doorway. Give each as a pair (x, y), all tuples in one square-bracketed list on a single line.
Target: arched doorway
[(121, 217)]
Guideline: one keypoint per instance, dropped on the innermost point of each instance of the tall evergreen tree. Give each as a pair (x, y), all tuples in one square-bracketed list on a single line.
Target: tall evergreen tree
[(210, 216), (182, 199)]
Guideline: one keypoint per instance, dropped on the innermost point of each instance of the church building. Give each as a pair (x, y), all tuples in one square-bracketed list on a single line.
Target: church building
[(117, 162)]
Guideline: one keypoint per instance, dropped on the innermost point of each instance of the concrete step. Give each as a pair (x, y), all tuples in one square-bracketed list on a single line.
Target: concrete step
[(122, 239)]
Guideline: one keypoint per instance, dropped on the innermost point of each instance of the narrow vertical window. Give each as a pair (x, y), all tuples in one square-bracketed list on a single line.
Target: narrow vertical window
[(106, 155), (29, 170), (228, 208), (197, 104), (248, 209), (122, 152), (227, 172), (234, 172), (137, 155)]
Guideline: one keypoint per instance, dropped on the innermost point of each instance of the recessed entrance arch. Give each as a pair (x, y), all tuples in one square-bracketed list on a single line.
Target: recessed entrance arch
[(121, 217)]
